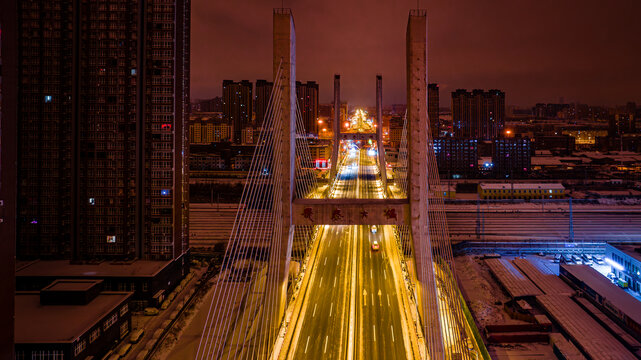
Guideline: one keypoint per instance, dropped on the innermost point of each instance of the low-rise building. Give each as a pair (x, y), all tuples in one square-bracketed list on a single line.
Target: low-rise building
[(525, 191), (150, 281), (70, 319), (625, 261)]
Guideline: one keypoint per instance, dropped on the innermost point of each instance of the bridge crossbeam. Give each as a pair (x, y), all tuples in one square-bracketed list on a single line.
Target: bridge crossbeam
[(351, 212)]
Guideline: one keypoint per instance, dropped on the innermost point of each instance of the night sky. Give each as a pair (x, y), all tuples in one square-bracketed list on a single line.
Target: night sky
[(535, 50)]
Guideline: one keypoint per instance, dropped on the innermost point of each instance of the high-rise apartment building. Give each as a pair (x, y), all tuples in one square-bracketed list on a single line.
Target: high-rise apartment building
[(237, 106), (433, 104), (104, 97), (478, 114), (456, 157), (8, 179), (307, 94), (261, 101), (512, 157)]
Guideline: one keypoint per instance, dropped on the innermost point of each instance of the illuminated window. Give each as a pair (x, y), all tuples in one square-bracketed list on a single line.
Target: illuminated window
[(165, 192), (48, 98), (92, 201), (111, 239)]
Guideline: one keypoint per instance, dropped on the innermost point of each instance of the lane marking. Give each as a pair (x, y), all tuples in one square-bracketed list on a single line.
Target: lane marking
[(331, 307), (392, 327), (325, 347), (374, 332), (387, 299), (371, 276), (321, 282), (306, 344), (338, 260), (314, 314), (334, 280), (325, 262), (385, 274)]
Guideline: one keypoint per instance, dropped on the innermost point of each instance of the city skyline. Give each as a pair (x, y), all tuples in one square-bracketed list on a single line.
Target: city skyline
[(534, 52)]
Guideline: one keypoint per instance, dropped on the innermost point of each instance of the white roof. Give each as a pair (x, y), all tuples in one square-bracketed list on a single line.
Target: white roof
[(522, 186)]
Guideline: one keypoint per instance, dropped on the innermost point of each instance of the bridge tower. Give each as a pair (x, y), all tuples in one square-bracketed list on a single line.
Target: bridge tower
[(418, 175), (284, 65)]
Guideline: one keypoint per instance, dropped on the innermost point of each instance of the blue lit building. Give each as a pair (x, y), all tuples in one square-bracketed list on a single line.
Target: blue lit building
[(625, 261)]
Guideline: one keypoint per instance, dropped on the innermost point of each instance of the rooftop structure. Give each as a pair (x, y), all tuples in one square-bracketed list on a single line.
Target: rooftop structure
[(614, 299), (512, 280), (69, 331)]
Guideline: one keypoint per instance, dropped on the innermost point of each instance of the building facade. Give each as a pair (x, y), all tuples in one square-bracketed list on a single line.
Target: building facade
[(261, 101), (237, 106), (478, 114), (307, 94), (102, 129), (456, 157), (512, 157), (433, 104), (207, 128), (625, 263)]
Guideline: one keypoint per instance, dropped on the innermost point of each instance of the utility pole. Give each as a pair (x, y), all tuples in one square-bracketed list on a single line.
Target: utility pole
[(571, 234)]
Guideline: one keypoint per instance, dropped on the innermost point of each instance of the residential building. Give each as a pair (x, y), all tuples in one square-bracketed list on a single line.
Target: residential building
[(8, 179), (456, 157), (237, 106), (307, 94), (261, 101), (209, 105), (207, 128), (102, 130), (433, 105), (478, 114), (512, 157)]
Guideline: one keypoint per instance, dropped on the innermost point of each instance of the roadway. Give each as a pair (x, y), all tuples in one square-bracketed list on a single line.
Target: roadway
[(351, 308)]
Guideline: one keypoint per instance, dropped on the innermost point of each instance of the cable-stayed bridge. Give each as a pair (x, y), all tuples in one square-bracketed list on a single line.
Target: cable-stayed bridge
[(352, 269)]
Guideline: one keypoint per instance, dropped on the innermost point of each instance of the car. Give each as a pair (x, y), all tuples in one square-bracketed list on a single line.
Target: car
[(375, 245), (151, 311), (373, 229), (136, 335), (124, 350)]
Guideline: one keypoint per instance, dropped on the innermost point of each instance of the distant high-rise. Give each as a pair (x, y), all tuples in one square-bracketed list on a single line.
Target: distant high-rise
[(478, 114), (104, 97), (209, 105), (433, 109), (456, 157), (512, 157), (237, 106), (263, 92), (307, 94)]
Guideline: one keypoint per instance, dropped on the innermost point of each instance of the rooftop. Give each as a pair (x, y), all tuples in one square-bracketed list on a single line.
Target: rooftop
[(628, 250), (71, 285), (63, 268), (36, 323), (522, 186), (612, 293)]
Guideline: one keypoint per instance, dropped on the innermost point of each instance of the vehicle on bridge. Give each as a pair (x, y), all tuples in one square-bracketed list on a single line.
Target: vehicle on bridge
[(373, 229), (375, 245)]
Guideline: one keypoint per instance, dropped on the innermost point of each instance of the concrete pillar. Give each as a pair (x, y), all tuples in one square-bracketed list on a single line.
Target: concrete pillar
[(379, 130), (283, 169), (417, 137), (336, 127)]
